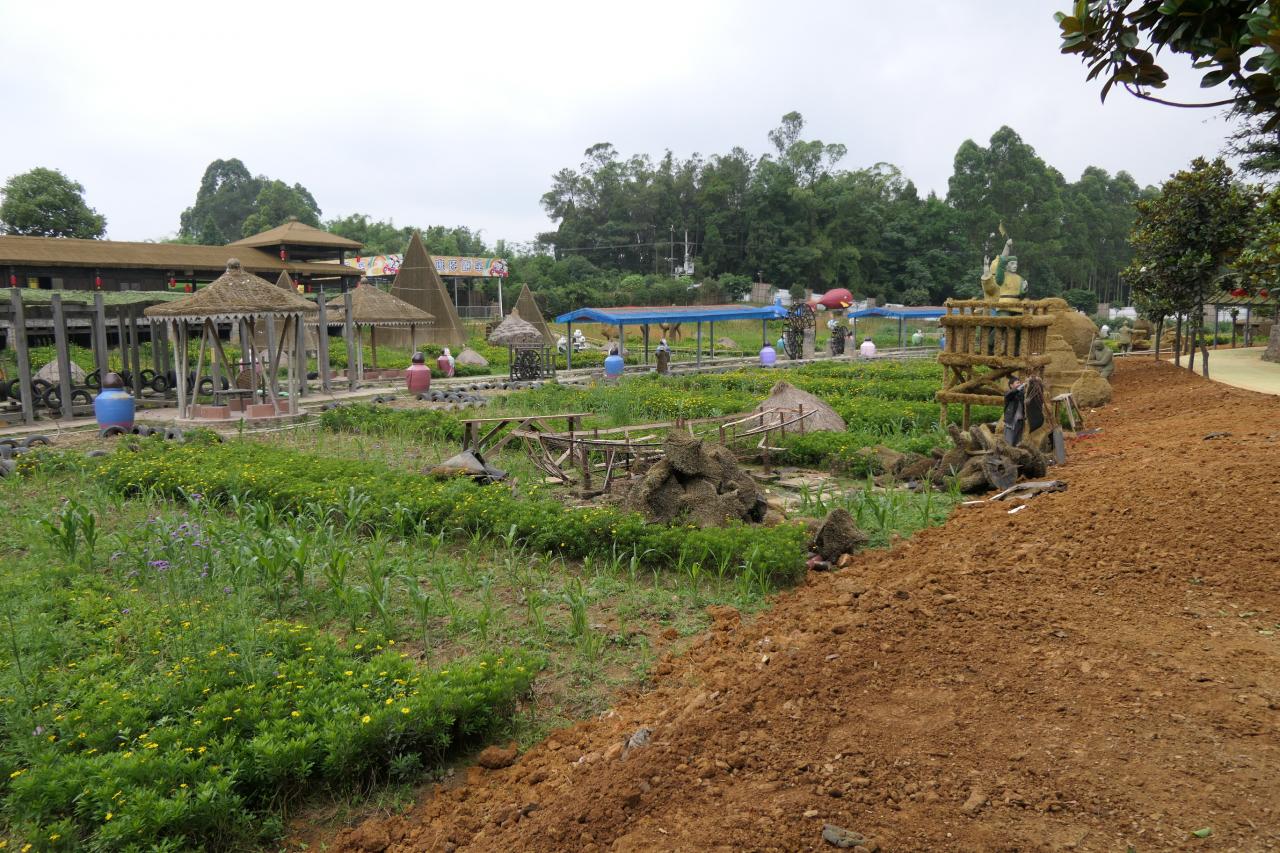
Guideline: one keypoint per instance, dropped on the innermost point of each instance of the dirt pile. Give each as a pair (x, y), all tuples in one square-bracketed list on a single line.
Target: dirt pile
[(698, 481), (1096, 673)]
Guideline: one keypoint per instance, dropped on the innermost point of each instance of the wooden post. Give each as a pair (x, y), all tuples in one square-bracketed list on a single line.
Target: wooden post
[(18, 327), (64, 357), (101, 352), (373, 345), (176, 330), (291, 325), (215, 371), (121, 339), (135, 353), (322, 345), (568, 350), (348, 332), (195, 385), (699, 344), (300, 352), (273, 361), (646, 343), (712, 331)]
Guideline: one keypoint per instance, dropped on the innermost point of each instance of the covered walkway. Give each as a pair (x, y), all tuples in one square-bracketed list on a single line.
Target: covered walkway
[(644, 316)]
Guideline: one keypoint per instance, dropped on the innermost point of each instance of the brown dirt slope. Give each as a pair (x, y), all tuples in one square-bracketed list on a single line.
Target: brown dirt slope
[(1099, 671)]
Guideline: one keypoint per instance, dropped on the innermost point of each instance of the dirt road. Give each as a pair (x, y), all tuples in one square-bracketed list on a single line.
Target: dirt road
[(1100, 671)]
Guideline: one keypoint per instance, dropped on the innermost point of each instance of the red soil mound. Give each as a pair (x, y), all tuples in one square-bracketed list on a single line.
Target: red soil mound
[(1101, 670)]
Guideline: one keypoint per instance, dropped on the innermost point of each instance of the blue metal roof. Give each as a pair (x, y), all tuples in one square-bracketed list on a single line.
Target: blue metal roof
[(899, 313), (631, 316)]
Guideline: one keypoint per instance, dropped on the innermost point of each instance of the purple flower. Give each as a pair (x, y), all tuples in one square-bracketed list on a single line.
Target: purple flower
[(159, 565), (228, 590), (125, 611), (39, 731), (204, 574)]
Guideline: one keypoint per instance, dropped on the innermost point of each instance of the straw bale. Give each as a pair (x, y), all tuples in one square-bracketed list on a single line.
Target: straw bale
[(784, 395)]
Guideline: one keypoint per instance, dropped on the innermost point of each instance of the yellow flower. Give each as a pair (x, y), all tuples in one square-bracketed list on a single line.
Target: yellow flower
[(294, 714), (404, 710), (365, 719), (109, 816)]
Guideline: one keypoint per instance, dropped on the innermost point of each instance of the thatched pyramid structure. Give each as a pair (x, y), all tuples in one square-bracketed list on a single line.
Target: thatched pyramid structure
[(527, 308), (785, 402), (419, 284)]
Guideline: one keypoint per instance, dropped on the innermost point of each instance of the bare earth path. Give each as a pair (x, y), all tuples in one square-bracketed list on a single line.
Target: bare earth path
[(1098, 672)]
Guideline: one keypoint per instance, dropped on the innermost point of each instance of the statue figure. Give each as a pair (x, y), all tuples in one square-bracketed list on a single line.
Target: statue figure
[(1001, 284), (1101, 359), (1125, 337)]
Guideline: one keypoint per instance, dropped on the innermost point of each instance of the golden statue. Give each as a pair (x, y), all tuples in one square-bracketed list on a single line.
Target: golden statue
[(1001, 284)]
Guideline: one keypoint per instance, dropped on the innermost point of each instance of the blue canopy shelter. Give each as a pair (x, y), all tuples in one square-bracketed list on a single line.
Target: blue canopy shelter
[(647, 315), (899, 314)]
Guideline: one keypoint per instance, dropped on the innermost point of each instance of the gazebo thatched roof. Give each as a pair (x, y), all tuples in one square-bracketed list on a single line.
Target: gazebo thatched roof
[(514, 330), (234, 295), (371, 306)]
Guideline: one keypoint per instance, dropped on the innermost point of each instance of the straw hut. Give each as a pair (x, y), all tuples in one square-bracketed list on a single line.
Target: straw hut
[(786, 401), (418, 283), (529, 352), (528, 309), (375, 308), (244, 301)]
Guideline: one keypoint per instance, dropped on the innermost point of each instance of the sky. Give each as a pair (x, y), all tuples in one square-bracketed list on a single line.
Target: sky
[(459, 114)]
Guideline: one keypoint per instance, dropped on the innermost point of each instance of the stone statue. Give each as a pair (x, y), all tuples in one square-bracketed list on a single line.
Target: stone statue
[(1125, 337), (1101, 359), (1001, 284)]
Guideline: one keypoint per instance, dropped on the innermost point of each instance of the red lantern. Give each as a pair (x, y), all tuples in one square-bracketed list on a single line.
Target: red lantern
[(13, 280), (173, 282), (284, 256), (1265, 294), (187, 287), (1238, 292), (97, 282)]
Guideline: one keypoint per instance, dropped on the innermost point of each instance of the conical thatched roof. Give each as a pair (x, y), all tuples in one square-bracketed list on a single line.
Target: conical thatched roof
[(371, 306), (515, 330), (418, 284), (528, 309), (784, 395), (233, 295)]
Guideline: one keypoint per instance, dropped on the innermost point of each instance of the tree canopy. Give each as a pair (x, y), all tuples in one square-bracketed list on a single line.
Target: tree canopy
[(795, 216), (46, 203), (232, 203), (1233, 41)]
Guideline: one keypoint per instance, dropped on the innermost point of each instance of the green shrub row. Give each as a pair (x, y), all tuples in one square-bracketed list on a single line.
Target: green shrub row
[(406, 503), (369, 419)]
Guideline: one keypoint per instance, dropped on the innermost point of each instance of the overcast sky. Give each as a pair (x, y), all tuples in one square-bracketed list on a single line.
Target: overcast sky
[(458, 114)]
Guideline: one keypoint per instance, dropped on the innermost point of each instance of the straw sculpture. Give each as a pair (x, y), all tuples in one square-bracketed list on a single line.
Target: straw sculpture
[(514, 330), (418, 283), (528, 309)]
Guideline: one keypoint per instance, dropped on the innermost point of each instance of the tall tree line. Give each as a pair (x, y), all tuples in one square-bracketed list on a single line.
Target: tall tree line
[(795, 216)]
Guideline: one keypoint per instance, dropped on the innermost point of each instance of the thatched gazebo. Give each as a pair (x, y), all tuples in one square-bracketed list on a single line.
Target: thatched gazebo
[(309, 341), (373, 307), (243, 300), (529, 352)]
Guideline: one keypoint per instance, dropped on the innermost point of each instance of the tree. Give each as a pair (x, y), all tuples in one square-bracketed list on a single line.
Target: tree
[(1082, 299), (278, 203), (915, 296), (1259, 262), (224, 201), (46, 203), (1185, 237), (1235, 40), (233, 203)]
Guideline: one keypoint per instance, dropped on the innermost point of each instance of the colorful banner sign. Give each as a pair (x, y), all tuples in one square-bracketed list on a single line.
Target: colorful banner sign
[(389, 265)]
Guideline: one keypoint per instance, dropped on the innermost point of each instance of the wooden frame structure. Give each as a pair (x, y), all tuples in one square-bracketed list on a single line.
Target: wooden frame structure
[(561, 455), (986, 346)]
